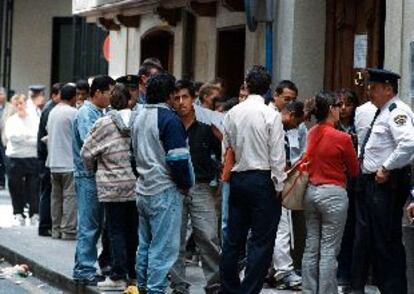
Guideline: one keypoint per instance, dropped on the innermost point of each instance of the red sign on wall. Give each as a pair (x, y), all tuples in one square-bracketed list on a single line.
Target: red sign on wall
[(106, 48)]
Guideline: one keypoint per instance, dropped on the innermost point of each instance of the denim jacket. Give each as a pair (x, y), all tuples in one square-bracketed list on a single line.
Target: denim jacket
[(85, 118)]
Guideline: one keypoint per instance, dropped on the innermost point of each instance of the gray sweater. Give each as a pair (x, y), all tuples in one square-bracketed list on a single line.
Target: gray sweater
[(59, 140)]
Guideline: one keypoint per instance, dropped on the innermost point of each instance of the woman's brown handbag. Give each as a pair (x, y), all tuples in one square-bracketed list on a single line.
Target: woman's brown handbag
[(297, 180), (295, 185)]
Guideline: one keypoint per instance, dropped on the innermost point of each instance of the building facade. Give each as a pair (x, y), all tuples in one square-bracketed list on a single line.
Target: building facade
[(41, 42), (318, 44)]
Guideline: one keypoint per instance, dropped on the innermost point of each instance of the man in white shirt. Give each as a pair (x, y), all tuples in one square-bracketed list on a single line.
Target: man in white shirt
[(283, 274), (255, 133)]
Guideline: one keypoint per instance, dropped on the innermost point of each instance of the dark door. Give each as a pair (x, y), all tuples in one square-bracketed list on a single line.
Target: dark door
[(159, 44), (230, 58), (77, 50), (6, 30), (354, 38)]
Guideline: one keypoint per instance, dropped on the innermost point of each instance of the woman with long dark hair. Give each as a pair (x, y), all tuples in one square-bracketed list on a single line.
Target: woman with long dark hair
[(332, 156), (346, 124)]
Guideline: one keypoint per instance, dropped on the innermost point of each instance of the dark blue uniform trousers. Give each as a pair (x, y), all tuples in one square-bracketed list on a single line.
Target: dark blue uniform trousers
[(45, 219), (378, 233), (254, 210)]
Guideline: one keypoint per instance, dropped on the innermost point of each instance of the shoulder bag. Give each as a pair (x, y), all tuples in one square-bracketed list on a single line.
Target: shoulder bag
[(297, 180)]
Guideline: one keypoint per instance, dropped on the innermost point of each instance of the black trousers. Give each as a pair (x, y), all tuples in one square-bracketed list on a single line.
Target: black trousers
[(122, 219), (254, 208), (3, 161), (45, 220), (378, 233), (104, 258), (23, 174)]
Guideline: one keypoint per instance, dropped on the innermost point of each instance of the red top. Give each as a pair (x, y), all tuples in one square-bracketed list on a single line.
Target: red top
[(332, 158)]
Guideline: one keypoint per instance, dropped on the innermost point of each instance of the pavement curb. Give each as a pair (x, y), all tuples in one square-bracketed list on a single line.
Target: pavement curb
[(56, 279)]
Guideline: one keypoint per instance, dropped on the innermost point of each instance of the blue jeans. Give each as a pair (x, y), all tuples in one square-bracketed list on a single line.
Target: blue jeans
[(225, 194), (159, 238), (89, 214)]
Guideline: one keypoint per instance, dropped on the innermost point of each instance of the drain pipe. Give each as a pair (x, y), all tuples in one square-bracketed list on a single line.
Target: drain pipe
[(250, 8), (269, 35)]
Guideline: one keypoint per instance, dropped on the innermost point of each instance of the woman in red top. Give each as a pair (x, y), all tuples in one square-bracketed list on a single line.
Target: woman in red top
[(332, 157)]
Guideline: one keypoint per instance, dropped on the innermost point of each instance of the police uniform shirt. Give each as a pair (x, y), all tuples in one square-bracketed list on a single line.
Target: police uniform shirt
[(391, 143), (364, 115)]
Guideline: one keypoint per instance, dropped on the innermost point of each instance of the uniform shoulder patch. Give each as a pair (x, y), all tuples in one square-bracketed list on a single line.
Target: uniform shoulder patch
[(392, 107), (400, 119)]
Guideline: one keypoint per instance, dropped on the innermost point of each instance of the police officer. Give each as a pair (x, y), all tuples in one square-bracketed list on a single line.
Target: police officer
[(132, 83), (383, 188)]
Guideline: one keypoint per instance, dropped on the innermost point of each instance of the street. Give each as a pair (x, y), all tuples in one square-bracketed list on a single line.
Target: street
[(14, 284)]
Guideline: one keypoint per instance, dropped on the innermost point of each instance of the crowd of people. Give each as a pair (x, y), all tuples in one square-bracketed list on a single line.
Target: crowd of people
[(136, 163)]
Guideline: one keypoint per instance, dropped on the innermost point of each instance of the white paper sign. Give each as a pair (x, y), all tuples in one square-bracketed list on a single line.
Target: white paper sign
[(360, 51)]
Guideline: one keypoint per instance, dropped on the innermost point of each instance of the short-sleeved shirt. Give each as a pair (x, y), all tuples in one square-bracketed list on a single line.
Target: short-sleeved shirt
[(391, 143)]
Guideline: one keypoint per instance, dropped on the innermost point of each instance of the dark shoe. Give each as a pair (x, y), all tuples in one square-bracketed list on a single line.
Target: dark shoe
[(270, 280), (344, 289), (45, 233), (213, 289), (180, 288), (90, 282), (66, 236), (175, 291), (106, 271)]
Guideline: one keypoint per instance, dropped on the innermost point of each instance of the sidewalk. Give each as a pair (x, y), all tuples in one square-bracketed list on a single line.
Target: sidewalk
[(52, 260)]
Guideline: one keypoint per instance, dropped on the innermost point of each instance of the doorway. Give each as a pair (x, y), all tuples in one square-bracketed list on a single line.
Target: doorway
[(354, 40), (159, 44), (231, 49), (77, 50)]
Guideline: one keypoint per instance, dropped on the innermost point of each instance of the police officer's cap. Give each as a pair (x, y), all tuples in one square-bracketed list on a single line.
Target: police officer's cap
[(129, 80), (37, 88), (382, 76)]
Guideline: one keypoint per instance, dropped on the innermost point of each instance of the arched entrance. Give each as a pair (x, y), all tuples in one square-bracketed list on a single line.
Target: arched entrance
[(159, 44)]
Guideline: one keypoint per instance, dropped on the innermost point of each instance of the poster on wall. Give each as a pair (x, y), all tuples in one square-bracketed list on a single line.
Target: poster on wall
[(360, 50)]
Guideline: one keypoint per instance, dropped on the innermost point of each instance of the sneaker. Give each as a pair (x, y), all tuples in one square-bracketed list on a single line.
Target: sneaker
[(111, 285), (290, 281), (19, 219), (344, 289), (34, 220)]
